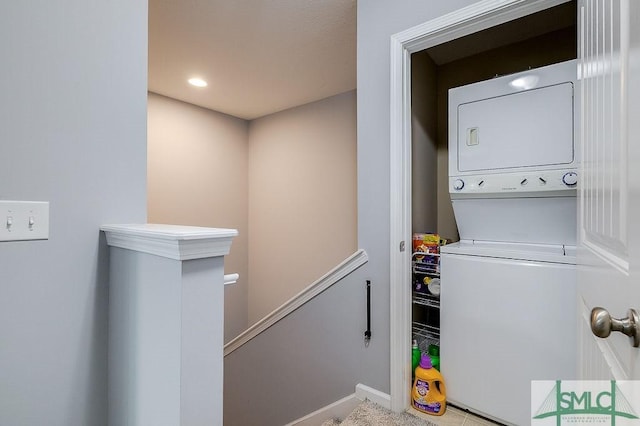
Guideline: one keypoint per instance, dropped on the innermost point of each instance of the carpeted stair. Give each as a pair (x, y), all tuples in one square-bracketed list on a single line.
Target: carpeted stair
[(370, 414)]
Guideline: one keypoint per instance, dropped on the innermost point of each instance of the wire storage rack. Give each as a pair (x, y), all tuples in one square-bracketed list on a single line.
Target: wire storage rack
[(425, 325)]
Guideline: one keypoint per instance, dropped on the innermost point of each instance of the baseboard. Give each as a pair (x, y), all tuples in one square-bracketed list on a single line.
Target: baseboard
[(365, 392), (338, 410), (343, 407)]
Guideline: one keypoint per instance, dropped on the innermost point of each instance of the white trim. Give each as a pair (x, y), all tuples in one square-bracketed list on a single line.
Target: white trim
[(365, 392), (171, 241), (473, 18), (337, 410), (343, 407), (349, 265), (476, 17), (400, 222), (231, 279)]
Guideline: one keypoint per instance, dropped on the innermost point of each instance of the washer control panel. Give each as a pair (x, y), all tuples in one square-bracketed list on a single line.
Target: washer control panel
[(505, 183)]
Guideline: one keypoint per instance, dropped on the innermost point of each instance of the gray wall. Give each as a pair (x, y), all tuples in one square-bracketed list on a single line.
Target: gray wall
[(73, 132), (377, 21), (308, 360)]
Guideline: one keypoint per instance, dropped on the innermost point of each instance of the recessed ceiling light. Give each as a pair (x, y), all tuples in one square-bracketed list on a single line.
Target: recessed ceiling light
[(198, 82)]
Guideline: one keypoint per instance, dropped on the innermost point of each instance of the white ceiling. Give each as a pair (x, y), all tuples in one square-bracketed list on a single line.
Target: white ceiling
[(258, 56)]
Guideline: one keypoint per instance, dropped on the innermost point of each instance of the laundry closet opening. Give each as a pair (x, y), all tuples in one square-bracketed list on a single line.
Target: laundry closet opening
[(537, 40)]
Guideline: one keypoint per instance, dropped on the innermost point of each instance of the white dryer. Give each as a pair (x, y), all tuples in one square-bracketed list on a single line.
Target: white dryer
[(508, 290)]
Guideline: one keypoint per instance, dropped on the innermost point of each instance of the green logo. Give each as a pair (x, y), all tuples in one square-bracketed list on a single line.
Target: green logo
[(585, 403)]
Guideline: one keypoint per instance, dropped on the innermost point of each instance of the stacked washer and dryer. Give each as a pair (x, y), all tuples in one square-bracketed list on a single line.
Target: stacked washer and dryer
[(508, 296)]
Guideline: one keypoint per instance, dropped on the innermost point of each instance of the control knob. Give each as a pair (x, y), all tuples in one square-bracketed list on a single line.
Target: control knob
[(458, 184), (570, 178)]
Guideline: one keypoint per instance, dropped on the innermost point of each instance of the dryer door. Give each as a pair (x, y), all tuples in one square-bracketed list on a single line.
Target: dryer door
[(524, 129)]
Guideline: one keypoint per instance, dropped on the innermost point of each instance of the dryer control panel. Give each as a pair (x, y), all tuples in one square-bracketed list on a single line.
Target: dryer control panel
[(522, 184)]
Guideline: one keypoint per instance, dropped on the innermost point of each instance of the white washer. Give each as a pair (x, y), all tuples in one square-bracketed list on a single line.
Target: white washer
[(508, 316)]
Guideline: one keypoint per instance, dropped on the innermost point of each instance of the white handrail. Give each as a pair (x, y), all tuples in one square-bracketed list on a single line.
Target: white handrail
[(347, 266), (231, 278)]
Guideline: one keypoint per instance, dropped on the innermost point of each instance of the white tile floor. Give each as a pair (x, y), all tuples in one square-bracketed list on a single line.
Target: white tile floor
[(453, 417)]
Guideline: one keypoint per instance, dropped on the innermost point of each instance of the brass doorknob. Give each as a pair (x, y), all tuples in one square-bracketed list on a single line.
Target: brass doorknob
[(602, 324)]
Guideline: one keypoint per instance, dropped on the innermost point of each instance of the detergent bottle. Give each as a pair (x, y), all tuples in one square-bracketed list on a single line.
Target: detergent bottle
[(415, 358), (434, 355), (429, 394)]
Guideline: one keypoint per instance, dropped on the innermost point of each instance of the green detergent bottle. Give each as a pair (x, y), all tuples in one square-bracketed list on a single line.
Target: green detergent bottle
[(415, 358), (434, 354)]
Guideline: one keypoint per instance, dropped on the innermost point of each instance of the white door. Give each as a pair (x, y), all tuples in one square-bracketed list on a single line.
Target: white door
[(609, 207)]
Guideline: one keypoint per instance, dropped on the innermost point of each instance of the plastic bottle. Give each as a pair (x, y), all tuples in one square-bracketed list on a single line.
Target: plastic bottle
[(429, 393), (434, 354), (415, 357)]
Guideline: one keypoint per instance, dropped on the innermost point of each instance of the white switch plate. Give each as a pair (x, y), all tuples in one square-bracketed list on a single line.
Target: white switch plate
[(24, 220)]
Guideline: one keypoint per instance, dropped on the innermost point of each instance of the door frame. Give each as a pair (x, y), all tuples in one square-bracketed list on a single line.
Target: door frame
[(476, 17)]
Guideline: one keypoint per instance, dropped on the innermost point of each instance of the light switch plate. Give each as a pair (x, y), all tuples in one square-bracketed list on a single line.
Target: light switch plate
[(24, 220)]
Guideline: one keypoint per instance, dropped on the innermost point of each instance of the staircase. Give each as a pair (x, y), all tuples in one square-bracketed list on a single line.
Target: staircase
[(315, 337)]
